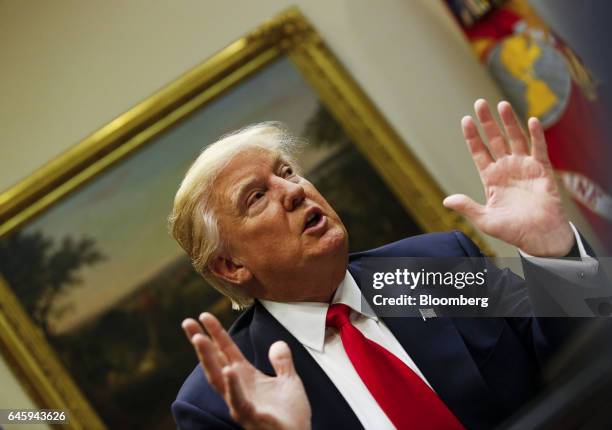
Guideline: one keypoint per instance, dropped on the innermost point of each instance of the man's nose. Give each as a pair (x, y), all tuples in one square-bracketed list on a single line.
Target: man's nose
[(294, 195)]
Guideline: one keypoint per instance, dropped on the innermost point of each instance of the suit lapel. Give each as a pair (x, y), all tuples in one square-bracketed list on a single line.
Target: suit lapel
[(438, 350), (329, 409)]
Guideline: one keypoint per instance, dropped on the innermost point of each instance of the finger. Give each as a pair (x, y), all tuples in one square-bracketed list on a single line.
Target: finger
[(207, 353), (465, 206), (518, 142), (281, 359), (191, 327), (536, 133), (497, 141), (480, 153), (241, 408), (221, 338)]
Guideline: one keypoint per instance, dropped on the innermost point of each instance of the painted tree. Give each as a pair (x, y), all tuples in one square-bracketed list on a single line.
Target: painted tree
[(39, 271)]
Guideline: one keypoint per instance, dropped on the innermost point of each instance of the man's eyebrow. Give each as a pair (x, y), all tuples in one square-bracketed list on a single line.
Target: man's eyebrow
[(243, 186)]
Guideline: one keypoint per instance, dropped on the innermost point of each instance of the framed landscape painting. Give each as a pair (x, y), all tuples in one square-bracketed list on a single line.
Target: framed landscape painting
[(92, 287)]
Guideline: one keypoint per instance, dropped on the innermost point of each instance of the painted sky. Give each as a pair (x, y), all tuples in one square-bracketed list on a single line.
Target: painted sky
[(125, 209)]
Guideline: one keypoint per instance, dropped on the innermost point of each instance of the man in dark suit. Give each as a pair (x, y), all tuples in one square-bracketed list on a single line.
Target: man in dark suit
[(306, 353)]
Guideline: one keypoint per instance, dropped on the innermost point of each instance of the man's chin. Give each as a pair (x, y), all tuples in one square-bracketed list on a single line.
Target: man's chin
[(334, 241)]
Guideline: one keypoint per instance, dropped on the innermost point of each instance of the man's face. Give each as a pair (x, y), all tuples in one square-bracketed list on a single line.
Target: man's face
[(279, 227)]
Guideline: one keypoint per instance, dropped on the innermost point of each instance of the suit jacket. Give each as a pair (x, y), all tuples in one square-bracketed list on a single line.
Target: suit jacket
[(483, 369)]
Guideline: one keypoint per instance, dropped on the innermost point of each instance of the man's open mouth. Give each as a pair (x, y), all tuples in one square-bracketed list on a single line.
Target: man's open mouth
[(314, 218)]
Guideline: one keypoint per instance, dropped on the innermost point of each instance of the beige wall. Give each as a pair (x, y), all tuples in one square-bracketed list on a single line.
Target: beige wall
[(12, 396), (70, 66)]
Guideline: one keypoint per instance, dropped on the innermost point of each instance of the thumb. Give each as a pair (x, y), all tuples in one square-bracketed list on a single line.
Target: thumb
[(281, 359), (464, 205)]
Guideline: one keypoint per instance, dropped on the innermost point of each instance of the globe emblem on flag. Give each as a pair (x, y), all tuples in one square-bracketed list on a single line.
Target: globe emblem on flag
[(533, 75)]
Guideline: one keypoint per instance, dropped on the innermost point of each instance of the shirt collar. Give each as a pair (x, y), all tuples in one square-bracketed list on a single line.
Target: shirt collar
[(306, 320)]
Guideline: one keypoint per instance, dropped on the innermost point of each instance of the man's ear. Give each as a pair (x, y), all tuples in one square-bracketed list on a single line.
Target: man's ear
[(230, 270)]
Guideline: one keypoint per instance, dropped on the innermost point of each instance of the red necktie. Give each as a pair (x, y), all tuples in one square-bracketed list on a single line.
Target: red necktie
[(402, 394)]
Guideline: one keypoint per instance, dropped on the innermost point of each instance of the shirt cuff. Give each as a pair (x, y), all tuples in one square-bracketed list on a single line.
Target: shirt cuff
[(581, 267)]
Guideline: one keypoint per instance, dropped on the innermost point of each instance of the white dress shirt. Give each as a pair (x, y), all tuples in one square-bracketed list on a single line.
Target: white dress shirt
[(306, 322)]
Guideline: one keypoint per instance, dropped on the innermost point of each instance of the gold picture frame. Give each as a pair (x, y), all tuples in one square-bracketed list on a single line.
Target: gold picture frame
[(289, 34)]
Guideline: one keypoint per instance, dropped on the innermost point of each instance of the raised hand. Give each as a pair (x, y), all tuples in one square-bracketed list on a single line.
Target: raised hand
[(523, 205), (256, 400)]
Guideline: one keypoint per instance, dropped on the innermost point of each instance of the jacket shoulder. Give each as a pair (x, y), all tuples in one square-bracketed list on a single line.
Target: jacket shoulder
[(197, 404), (441, 244)]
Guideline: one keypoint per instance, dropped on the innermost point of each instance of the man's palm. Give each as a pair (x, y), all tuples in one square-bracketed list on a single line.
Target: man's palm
[(273, 402), (256, 400), (523, 205)]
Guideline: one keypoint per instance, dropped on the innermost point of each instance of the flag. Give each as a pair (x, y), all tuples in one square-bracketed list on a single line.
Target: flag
[(541, 76)]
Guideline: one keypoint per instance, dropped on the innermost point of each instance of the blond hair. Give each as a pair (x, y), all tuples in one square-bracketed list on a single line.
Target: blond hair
[(193, 222)]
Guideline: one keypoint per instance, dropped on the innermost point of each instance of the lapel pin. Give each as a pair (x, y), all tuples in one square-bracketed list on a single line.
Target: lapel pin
[(427, 313)]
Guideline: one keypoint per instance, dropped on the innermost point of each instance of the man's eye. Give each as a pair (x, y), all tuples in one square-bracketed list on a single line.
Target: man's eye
[(255, 197)]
